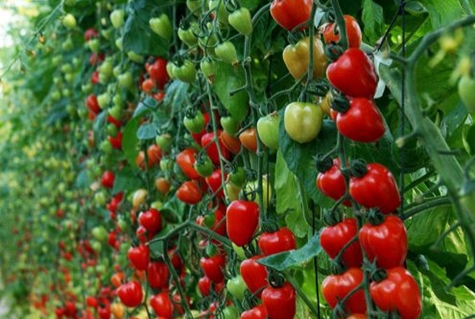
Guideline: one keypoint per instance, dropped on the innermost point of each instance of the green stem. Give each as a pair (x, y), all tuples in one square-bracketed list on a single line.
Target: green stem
[(340, 21), (428, 204), (310, 304)]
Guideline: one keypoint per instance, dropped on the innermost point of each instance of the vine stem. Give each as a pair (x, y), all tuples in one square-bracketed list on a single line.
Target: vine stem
[(340, 21), (310, 304)]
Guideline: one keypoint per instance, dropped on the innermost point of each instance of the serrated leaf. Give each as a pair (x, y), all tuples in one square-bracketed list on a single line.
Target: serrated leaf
[(294, 258), (373, 20), (130, 140), (147, 131)]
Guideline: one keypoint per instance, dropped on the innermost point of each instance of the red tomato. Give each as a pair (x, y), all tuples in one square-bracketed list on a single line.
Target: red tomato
[(107, 179), (334, 238), (336, 287), (254, 274), (92, 104), (353, 32), (291, 13), (214, 182), (189, 192), (104, 311), (154, 155), (139, 256), (397, 292), (208, 143), (258, 312), (186, 159), (231, 143), (158, 275), (130, 294), (204, 286), (90, 33), (353, 74), (362, 122), (158, 71), (213, 267), (375, 240), (116, 141), (242, 219), (276, 242), (376, 188), (151, 220), (162, 305), (280, 302), (332, 182)]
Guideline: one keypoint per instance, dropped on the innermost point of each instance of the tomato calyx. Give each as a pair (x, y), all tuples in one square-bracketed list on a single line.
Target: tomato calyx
[(340, 104), (358, 168), (275, 278), (379, 275), (333, 51), (375, 217), (323, 163)]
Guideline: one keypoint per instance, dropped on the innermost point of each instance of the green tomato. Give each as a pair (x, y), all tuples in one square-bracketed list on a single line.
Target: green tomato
[(94, 45), (238, 177), (117, 18), (186, 72), (303, 121), (99, 233), (194, 6), (208, 67), (230, 125), (69, 21), (188, 36), (241, 21), (116, 112), (232, 191), (134, 57), (268, 130), (220, 11), (226, 51), (106, 68), (162, 26), (67, 45), (230, 312), (164, 141), (251, 187), (466, 90), (103, 100), (204, 166), (196, 123), (239, 252), (126, 80)]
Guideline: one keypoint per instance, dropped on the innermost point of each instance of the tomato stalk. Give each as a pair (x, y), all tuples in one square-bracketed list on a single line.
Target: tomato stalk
[(310, 53), (340, 21), (310, 304)]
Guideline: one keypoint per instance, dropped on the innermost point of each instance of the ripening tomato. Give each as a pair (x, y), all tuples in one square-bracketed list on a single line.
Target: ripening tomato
[(151, 220), (375, 187), (162, 304), (158, 275), (189, 192), (139, 256), (231, 143), (271, 243), (130, 294), (280, 302), (242, 219), (303, 121), (291, 13), (353, 32), (397, 292), (154, 155), (257, 312), (332, 182), (248, 139), (208, 143), (92, 104), (254, 274), (362, 122), (334, 238), (213, 267), (185, 160), (117, 279), (375, 240), (336, 287), (353, 74)]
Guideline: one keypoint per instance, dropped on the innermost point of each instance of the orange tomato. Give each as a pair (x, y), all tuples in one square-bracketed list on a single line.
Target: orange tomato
[(248, 139), (230, 142)]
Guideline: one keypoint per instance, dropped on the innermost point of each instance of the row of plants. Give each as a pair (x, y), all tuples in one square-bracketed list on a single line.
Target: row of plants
[(240, 159)]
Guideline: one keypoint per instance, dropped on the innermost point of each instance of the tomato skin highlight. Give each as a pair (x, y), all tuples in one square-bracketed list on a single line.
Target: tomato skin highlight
[(336, 287), (334, 238), (375, 240), (280, 302), (398, 292), (362, 122), (276, 242), (376, 189), (353, 32), (353, 74), (242, 219), (290, 13)]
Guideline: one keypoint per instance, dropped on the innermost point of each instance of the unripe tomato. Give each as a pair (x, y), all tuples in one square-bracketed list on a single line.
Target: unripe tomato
[(303, 121)]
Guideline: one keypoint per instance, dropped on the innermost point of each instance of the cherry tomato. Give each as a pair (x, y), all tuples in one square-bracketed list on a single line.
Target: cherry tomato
[(362, 122), (254, 274), (154, 155), (185, 160), (130, 294), (376, 188), (214, 182), (213, 267), (332, 182), (280, 302), (241, 20), (334, 238), (303, 121), (268, 130), (336, 287), (92, 105), (297, 58), (189, 192), (236, 287), (291, 13), (276, 242), (107, 179), (158, 275), (139, 256), (257, 312), (248, 139), (242, 219), (353, 74), (208, 143), (353, 32), (158, 72), (151, 220), (162, 305), (230, 142), (397, 292)]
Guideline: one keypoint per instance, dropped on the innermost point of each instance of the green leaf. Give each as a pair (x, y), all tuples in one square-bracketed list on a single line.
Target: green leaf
[(126, 181), (444, 12), (250, 4), (227, 80), (294, 258), (300, 158), (147, 131), (469, 139), (373, 20), (286, 187), (130, 140), (147, 105)]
